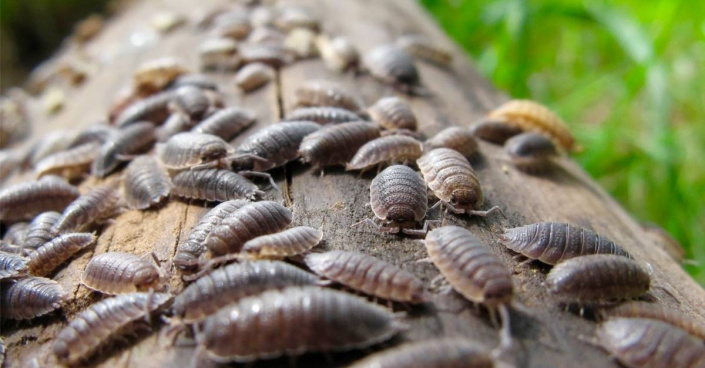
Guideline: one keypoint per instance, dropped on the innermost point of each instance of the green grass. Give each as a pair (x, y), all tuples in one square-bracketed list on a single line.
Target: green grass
[(629, 78)]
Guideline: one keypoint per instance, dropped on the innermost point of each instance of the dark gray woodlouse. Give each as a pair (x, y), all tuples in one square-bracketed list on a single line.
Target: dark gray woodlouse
[(392, 65), (272, 146), (294, 321), (31, 297), (188, 253), (120, 273), (253, 76), (98, 133), (322, 115), (250, 221), (233, 282), (422, 48), (40, 230), (102, 321), (191, 101), (153, 109), (226, 123), (596, 278), (319, 93), (531, 152), (637, 342), (368, 274), (637, 309), (554, 242), (70, 164), (456, 138), (12, 266), (495, 131), (441, 353), (185, 150), (52, 254), (385, 150), (133, 139), (24, 201), (87, 208), (174, 124), (214, 185), (201, 81), (337, 144), (146, 183), (16, 233), (393, 113), (451, 178), (287, 243)]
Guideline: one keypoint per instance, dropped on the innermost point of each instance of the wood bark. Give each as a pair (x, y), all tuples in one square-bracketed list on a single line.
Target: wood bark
[(549, 337)]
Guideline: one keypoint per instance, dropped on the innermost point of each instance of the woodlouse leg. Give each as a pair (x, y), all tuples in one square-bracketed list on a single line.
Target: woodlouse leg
[(205, 165), (488, 212), (249, 173), (367, 221)]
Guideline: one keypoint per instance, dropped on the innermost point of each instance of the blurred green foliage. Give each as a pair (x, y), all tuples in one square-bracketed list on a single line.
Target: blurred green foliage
[(629, 78)]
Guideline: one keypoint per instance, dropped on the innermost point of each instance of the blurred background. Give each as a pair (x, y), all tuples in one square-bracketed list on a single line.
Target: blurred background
[(627, 75)]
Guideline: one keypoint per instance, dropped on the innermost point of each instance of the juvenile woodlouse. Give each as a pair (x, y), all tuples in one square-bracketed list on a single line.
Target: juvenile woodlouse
[(31, 297), (233, 282), (303, 319), (338, 54), (596, 278), (452, 179), (424, 49), (185, 150), (495, 131), (368, 274), (189, 252), (133, 139), (24, 201), (392, 65), (70, 164), (531, 116), (637, 342), (253, 76), (323, 115), (219, 53), (554, 242), (146, 183), (250, 221), (385, 150), (87, 208), (154, 75), (456, 138), (337, 144), (214, 185), (287, 243), (153, 109), (12, 266), (320, 93), (226, 123), (272, 146), (102, 321), (16, 233), (530, 152), (120, 273), (52, 254), (638, 309), (393, 113), (40, 230), (441, 353)]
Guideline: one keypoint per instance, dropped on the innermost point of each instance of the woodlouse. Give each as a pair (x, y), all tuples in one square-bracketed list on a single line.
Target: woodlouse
[(392, 65), (24, 201), (214, 185), (456, 138), (253, 76), (637, 309), (424, 49), (368, 274), (274, 56), (49, 144), (287, 243), (320, 93), (146, 183), (385, 150), (530, 152), (495, 131), (52, 254), (185, 150), (554, 242), (233, 282), (226, 123), (40, 230), (232, 24), (323, 115), (337, 144), (250, 221), (441, 353), (98, 133), (87, 208), (272, 146), (191, 101), (293, 321), (531, 116), (301, 43), (70, 164), (103, 321), (637, 342), (16, 233), (596, 278), (10, 161), (154, 75), (338, 54), (174, 124), (12, 266), (153, 109), (451, 178), (31, 297), (201, 81), (292, 16), (12, 248), (266, 36), (218, 53), (133, 139), (393, 113), (120, 273)]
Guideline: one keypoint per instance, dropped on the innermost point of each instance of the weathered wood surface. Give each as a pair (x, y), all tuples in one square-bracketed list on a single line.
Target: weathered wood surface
[(337, 200)]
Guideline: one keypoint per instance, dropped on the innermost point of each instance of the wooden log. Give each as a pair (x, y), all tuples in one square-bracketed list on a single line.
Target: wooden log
[(549, 337)]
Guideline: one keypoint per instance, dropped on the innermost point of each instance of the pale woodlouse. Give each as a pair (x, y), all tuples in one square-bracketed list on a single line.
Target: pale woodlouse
[(153, 109), (441, 353), (226, 123), (597, 278), (40, 229), (457, 138), (214, 185), (639, 309), (393, 113), (337, 144), (57, 251), (146, 183), (495, 131), (292, 16), (87, 208), (321, 93), (393, 65), (287, 243), (266, 36), (338, 54), (120, 273), (103, 321), (31, 297), (250, 221), (219, 54), (154, 75), (24, 201), (368, 274), (12, 265), (253, 76), (303, 319), (233, 24), (127, 142), (530, 152), (385, 150), (301, 43), (10, 162), (186, 150), (422, 48), (70, 164), (322, 115), (272, 146)]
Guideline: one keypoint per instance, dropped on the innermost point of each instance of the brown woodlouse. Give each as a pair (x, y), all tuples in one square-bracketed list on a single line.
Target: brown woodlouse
[(226, 123), (337, 144), (452, 179), (87, 208), (303, 319), (368, 274), (272, 146), (596, 278), (393, 113), (320, 93), (12, 266), (554, 242), (250, 221), (31, 297), (187, 150), (422, 48), (530, 152), (441, 353), (287, 243), (218, 53), (392, 65), (188, 253), (24, 201), (201, 81), (385, 150), (456, 138), (192, 102), (120, 273), (70, 164), (40, 230), (274, 56), (16, 233), (154, 75), (146, 183), (233, 282), (133, 139), (637, 309), (494, 131), (531, 116), (253, 76), (102, 321), (52, 254), (637, 342), (153, 109), (214, 185), (322, 115), (338, 54)]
